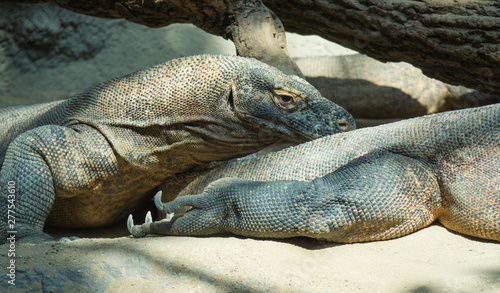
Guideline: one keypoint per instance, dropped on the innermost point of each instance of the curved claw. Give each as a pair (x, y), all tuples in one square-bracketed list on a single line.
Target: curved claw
[(159, 205), (130, 223), (149, 218), (136, 231)]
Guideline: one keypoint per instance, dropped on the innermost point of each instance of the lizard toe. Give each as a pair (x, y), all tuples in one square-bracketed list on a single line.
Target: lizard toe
[(134, 230)]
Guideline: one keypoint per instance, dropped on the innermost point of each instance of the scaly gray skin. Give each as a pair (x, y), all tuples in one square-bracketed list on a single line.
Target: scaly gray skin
[(369, 184), (90, 160)]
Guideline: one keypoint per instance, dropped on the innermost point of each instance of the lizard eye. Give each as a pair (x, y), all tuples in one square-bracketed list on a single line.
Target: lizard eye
[(285, 99)]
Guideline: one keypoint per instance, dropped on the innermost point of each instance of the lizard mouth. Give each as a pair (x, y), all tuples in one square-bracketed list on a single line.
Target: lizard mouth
[(287, 132), (296, 134), (269, 128), (279, 129)]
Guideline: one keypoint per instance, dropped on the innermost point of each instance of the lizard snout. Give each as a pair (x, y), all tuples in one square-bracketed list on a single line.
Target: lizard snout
[(334, 126)]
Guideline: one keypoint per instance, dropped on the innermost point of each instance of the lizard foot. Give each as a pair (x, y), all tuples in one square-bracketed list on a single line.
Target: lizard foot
[(144, 229), (194, 201), (205, 216)]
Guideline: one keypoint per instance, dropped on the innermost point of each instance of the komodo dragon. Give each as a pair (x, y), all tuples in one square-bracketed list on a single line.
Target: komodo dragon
[(92, 159), (369, 184)]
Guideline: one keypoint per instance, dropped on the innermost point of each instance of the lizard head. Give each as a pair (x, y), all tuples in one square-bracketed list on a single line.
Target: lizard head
[(285, 105), (222, 107)]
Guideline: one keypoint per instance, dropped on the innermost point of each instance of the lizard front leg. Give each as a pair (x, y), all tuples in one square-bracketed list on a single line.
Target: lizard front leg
[(45, 163), (229, 205), (377, 196)]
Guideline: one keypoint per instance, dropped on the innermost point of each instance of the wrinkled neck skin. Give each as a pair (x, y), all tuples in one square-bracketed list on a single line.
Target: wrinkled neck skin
[(209, 142), (180, 146)]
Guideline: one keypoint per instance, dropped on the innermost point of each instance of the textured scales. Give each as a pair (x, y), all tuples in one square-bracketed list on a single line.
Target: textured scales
[(369, 184), (91, 159)]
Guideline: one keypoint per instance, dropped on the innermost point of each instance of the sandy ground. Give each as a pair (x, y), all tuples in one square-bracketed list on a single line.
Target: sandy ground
[(430, 260)]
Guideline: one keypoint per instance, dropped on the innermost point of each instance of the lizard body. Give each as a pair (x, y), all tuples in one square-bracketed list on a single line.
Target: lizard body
[(370, 184), (90, 160)]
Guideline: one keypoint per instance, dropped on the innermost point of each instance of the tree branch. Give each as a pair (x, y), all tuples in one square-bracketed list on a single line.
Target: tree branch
[(254, 29), (456, 41)]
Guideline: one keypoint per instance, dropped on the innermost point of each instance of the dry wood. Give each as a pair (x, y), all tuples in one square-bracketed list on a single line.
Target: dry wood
[(456, 41)]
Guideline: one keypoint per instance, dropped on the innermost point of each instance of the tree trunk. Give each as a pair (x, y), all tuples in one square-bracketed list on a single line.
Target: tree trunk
[(456, 41)]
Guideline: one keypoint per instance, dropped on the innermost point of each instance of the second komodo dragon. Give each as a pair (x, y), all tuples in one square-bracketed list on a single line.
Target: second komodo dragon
[(370, 184), (90, 160)]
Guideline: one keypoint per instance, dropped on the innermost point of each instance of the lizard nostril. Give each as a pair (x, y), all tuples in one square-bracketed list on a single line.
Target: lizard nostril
[(343, 125)]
